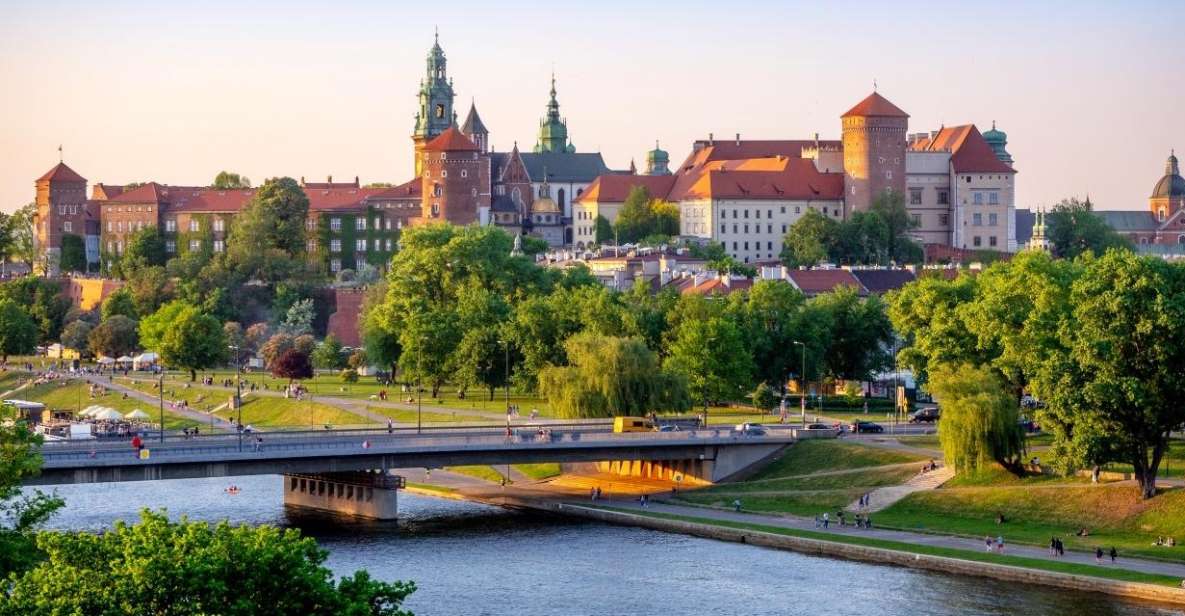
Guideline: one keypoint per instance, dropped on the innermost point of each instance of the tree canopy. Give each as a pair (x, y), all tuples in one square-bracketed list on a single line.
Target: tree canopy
[(879, 236), (609, 376), (642, 217), (192, 341), (226, 180), (979, 419), (1072, 228), (114, 337), (18, 333), (21, 513)]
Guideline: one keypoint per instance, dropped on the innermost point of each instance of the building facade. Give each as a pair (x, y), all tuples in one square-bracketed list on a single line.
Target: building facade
[(1161, 228)]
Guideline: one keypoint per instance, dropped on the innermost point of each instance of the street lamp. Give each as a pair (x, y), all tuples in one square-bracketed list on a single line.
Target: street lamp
[(160, 391), (802, 384), (506, 362), (420, 386)]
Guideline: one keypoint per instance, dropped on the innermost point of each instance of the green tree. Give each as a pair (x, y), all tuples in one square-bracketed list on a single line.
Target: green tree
[(293, 365), (1112, 379), (21, 511), (73, 255), (236, 341), (18, 332), (196, 568), (889, 205), (20, 230), (120, 302), (1072, 228), (765, 398), (193, 341), (860, 333), (809, 240), (712, 356), (155, 326), (146, 248), (604, 230), (925, 313), (636, 218), (768, 315), (610, 376), (149, 287), (980, 419), (665, 218), (226, 180), (114, 337), (480, 359), (299, 319), (271, 228), (328, 354), (43, 300), (380, 342), (74, 336)]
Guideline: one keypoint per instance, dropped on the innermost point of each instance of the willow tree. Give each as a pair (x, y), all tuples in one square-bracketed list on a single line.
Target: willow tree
[(609, 376), (979, 419)]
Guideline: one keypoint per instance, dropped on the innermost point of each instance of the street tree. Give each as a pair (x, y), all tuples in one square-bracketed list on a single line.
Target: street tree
[(980, 419), (75, 336), (114, 337), (22, 510), (712, 356), (328, 355), (120, 302), (860, 333), (18, 332), (925, 313), (765, 398), (187, 568), (154, 326), (193, 341)]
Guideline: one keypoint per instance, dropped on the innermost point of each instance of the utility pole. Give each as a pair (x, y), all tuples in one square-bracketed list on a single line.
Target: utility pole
[(802, 384), (160, 391)]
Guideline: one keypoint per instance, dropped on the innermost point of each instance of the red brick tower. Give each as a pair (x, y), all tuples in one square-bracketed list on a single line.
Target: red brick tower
[(874, 134), (61, 211), (453, 173)]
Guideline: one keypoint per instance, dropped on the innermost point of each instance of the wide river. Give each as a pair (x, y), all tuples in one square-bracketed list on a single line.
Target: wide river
[(470, 559)]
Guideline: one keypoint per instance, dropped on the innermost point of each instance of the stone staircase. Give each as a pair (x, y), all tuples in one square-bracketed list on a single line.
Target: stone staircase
[(882, 498)]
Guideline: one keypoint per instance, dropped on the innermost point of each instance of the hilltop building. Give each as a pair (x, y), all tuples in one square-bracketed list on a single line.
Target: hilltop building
[(1163, 224)]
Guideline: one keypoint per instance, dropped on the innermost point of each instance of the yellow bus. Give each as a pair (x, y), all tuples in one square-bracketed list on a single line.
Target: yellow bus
[(632, 424)]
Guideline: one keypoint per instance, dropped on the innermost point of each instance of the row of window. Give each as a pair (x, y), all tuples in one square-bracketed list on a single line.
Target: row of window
[(977, 241), (72, 210), (769, 213), (444, 173), (915, 196), (993, 197), (756, 228), (977, 220), (756, 246), (128, 208), (360, 223), (360, 245)]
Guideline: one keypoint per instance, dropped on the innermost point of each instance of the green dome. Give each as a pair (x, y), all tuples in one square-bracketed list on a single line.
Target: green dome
[(658, 155), (998, 139)]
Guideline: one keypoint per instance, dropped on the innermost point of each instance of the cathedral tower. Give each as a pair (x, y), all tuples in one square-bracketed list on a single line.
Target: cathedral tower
[(873, 151), (436, 103), (553, 130), (61, 212)]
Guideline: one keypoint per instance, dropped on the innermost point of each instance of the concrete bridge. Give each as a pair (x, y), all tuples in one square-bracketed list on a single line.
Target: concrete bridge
[(325, 464)]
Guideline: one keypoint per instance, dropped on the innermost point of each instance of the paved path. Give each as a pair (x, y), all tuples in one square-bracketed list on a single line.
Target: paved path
[(206, 419), (884, 497)]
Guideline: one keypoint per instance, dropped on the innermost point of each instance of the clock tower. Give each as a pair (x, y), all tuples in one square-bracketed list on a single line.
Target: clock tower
[(436, 113)]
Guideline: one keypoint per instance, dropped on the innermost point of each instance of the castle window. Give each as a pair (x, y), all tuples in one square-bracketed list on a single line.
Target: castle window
[(734, 228), (977, 219), (992, 240), (360, 224), (797, 209), (335, 224), (360, 245), (219, 225), (723, 229), (1144, 241), (993, 219), (194, 225), (943, 197), (119, 225), (888, 175), (388, 244), (310, 224), (915, 196), (218, 246), (68, 227), (195, 245), (944, 219), (111, 246), (562, 199), (993, 198), (464, 173), (435, 210), (746, 213), (335, 265), (110, 226), (783, 229), (444, 173), (170, 246), (311, 245), (1161, 215), (977, 241), (335, 245), (437, 190)]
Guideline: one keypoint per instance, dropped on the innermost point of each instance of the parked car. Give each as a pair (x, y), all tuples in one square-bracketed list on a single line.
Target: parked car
[(1028, 425), (866, 427), (751, 429), (924, 415), (667, 428), (819, 426)]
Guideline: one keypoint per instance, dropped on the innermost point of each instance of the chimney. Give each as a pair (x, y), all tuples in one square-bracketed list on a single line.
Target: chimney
[(302, 181), (330, 180), (711, 141), (356, 182), (738, 139)]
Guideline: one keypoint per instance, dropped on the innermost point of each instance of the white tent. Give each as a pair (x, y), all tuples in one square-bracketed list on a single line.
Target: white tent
[(90, 410), (106, 360), (123, 359), (108, 415), (144, 360), (137, 414)]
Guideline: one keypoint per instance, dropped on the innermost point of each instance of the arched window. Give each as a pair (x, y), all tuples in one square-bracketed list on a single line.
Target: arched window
[(1181, 239), (562, 197), (516, 195), (436, 190), (1161, 215), (1143, 241)]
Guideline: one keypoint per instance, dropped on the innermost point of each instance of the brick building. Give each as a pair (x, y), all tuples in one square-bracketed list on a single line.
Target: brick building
[(1160, 229)]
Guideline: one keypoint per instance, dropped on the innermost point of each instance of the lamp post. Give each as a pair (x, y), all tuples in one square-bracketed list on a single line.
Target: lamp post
[(239, 407), (420, 386), (506, 362), (160, 392), (802, 384)]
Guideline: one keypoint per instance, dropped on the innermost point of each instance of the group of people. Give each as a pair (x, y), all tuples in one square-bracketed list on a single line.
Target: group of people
[(1165, 542), (994, 545), (859, 520), (929, 466), (594, 493)]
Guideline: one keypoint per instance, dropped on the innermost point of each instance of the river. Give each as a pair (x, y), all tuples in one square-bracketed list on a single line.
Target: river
[(472, 560)]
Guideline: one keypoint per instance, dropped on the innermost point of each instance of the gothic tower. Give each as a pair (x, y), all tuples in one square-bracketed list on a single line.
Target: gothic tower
[(476, 130), (61, 212), (436, 103), (454, 180), (873, 151), (553, 130)]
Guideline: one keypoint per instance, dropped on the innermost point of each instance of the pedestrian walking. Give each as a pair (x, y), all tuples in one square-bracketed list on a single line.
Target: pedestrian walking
[(1053, 546), (826, 519), (390, 427), (592, 494), (1114, 554), (1000, 544), (989, 544), (1098, 556), (258, 442), (736, 505)]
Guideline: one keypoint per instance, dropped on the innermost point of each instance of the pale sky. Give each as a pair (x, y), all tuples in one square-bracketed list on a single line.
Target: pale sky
[(1090, 93)]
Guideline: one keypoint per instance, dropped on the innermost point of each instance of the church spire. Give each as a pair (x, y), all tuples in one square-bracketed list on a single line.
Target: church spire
[(436, 113), (553, 130)]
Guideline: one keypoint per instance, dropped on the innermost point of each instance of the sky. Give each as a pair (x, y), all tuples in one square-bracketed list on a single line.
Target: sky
[(1090, 93)]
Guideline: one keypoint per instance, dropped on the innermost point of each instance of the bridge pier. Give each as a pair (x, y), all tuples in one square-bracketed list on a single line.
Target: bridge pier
[(714, 465), (363, 494)]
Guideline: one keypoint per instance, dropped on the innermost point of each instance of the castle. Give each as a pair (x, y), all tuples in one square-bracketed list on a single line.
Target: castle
[(959, 186)]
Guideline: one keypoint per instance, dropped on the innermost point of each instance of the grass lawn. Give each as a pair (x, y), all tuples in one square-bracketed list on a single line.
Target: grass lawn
[(871, 478), (812, 456), (539, 471), (69, 394), (11, 379), (479, 471), (972, 555), (1114, 515)]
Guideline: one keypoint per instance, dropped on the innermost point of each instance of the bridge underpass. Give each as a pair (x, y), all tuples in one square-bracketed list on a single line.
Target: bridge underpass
[(349, 471)]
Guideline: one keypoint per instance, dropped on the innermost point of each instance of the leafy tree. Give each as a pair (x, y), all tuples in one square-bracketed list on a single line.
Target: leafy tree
[(146, 248), (293, 365), (860, 332), (299, 319), (603, 230), (610, 376), (809, 240), (270, 231), (196, 568), (193, 341), (1112, 379), (1072, 228), (889, 205), (769, 316), (480, 358), (73, 255), (765, 398), (20, 230), (666, 218), (980, 419), (44, 301), (712, 356), (380, 342), (349, 375), (636, 219), (75, 335), (114, 337), (235, 340), (18, 333), (305, 343), (275, 347), (328, 354), (256, 335), (729, 265), (226, 180), (155, 326), (926, 314), (149, 287), (120, 302), (21, 512)]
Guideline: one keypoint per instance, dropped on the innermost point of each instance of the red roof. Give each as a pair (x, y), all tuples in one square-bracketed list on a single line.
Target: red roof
[(616, 187), (211, 200), (786, 178), (970, 152), (875, 105), (716, 286), (451, 140), (412, 189), (815, 281), (61, 173)]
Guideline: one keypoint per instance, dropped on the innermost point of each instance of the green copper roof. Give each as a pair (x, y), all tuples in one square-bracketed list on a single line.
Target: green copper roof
[(553, 131)]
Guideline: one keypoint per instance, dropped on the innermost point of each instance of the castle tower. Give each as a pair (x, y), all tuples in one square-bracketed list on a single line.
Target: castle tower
[(436, 102), (452, 180), (475, 130), (658, 161), (553, 130), (61, 212), (1168, 195), (873, 151), (998, 139)]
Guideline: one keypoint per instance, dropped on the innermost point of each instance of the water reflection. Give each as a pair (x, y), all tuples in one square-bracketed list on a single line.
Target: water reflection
[(472, 560)]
